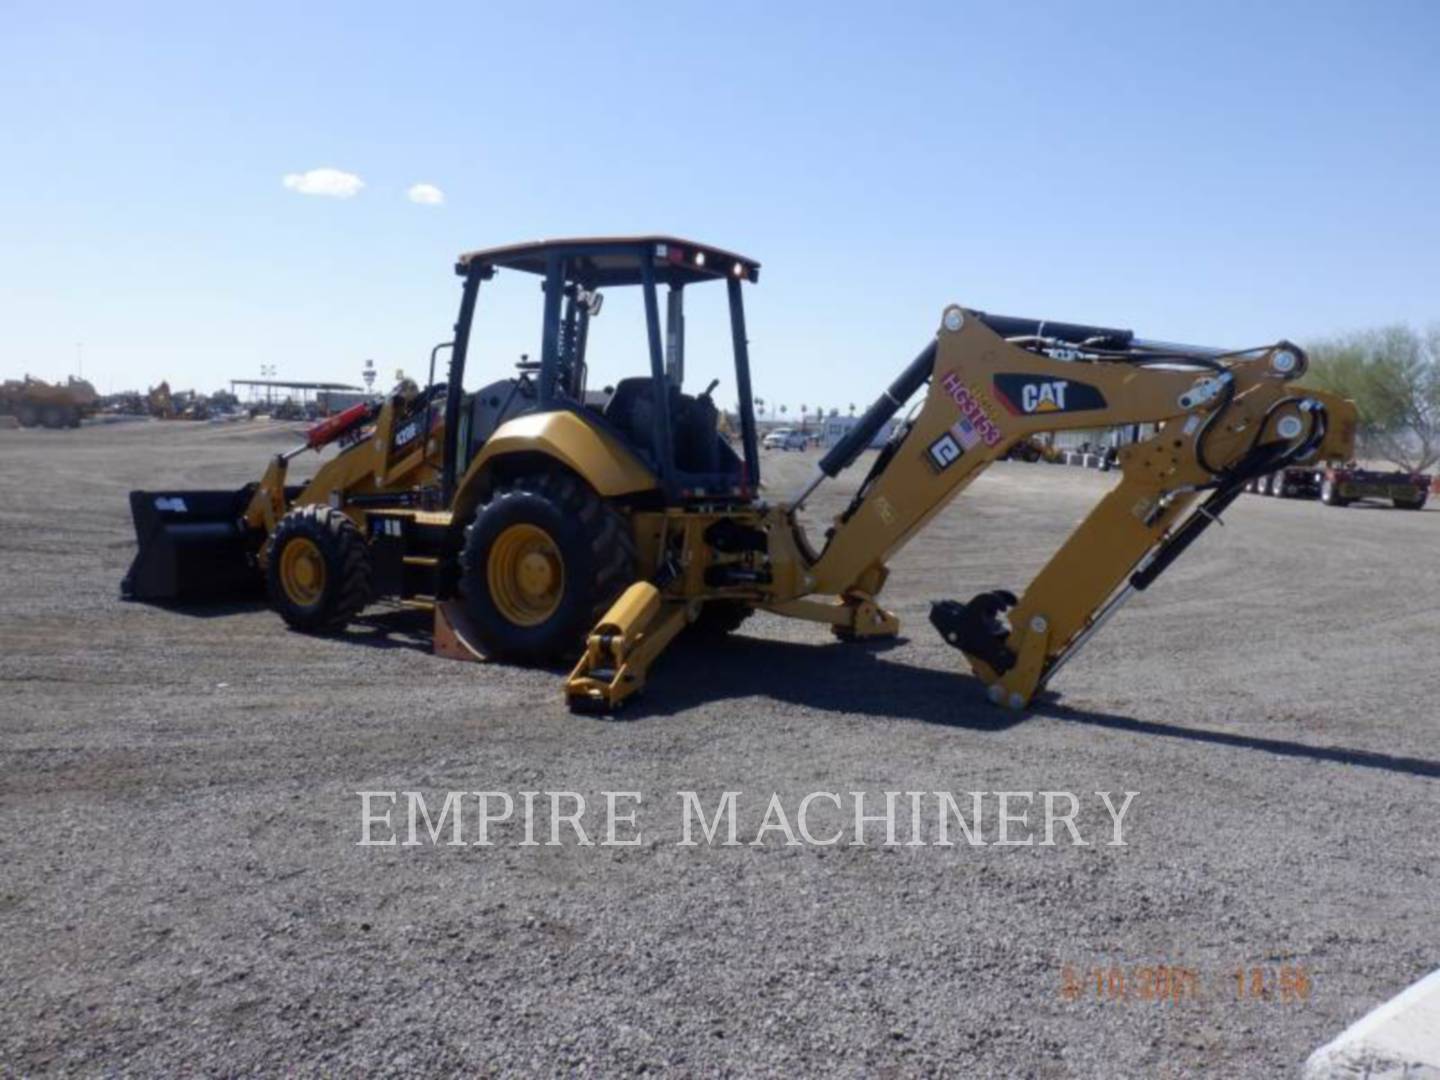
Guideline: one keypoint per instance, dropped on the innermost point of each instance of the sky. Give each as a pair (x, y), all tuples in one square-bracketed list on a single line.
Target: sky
[(1218, 173)]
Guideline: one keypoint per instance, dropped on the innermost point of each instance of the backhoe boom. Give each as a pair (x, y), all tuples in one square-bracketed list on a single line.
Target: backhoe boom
[(1220, 418)]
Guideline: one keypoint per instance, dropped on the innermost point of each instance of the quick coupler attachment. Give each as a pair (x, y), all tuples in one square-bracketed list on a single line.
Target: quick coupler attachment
[(976, 628)]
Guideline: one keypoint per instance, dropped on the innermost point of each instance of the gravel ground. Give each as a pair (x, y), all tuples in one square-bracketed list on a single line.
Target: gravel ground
[(183, 889)]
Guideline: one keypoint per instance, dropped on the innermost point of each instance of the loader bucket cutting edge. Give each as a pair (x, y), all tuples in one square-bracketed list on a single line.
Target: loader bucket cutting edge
[(193, 546)]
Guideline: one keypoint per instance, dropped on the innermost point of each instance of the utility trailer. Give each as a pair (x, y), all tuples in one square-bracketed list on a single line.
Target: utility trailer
[(1297, 482), (1342, 485)]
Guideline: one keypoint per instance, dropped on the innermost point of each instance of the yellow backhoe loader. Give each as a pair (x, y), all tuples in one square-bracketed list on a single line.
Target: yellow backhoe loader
[(538, 521)]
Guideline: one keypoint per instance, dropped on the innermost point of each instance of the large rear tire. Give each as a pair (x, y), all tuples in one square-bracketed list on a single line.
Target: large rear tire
[(542, 561), (27, 414), (317, 569)]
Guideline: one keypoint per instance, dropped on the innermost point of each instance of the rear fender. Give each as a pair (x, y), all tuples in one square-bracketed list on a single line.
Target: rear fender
[(536, 440)]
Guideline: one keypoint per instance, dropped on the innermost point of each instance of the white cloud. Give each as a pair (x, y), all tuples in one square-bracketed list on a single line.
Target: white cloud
[(329, 182), (425, 194)]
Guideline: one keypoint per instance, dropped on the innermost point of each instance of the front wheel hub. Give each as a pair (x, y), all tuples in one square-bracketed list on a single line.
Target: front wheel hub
[(302, 571)]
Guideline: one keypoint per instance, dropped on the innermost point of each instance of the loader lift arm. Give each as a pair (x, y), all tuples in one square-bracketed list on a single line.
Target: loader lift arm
[(1221, 418)]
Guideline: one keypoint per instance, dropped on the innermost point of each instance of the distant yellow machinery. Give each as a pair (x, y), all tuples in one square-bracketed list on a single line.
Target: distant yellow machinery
[(35, 402), (536, 522), (163, 404)]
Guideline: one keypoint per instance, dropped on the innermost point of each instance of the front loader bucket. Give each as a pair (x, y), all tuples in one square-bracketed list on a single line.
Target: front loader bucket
[(193, 545)]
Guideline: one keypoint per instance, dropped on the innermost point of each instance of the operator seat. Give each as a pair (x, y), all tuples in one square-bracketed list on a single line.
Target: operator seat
[(630, 410), (694, 423)]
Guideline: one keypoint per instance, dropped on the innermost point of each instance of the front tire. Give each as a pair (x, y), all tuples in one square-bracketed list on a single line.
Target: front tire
[(1328, 495), (542, 561), (317, 569)]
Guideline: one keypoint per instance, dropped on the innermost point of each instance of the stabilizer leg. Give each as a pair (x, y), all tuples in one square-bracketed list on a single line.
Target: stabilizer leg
[(621, 648), (856, 616)]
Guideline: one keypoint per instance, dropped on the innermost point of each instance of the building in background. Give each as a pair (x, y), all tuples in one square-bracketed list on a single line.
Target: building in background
[(310, 398), (834, 428)]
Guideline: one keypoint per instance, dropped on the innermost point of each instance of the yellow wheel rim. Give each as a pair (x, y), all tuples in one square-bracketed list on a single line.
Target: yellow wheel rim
[(526, 575), (302, 572)]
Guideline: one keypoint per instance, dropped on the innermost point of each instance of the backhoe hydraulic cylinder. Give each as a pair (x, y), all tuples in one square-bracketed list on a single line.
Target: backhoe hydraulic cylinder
[(844, 452), (1204, 516), (1008, 326)]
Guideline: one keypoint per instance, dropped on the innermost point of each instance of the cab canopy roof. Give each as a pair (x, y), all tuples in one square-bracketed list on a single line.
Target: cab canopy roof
[(616, 260)]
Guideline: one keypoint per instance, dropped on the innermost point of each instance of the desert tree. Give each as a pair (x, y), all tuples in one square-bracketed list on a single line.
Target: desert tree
[(1392, 373)]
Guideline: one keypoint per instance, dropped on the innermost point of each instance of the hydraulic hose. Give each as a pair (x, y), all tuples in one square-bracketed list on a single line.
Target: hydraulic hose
[(1258, 460)]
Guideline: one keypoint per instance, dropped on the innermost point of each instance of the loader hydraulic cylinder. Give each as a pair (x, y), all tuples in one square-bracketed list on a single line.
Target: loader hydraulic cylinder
[(330, 429)]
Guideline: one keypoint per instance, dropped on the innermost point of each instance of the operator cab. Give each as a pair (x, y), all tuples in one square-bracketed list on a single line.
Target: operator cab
[(676, 434)]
